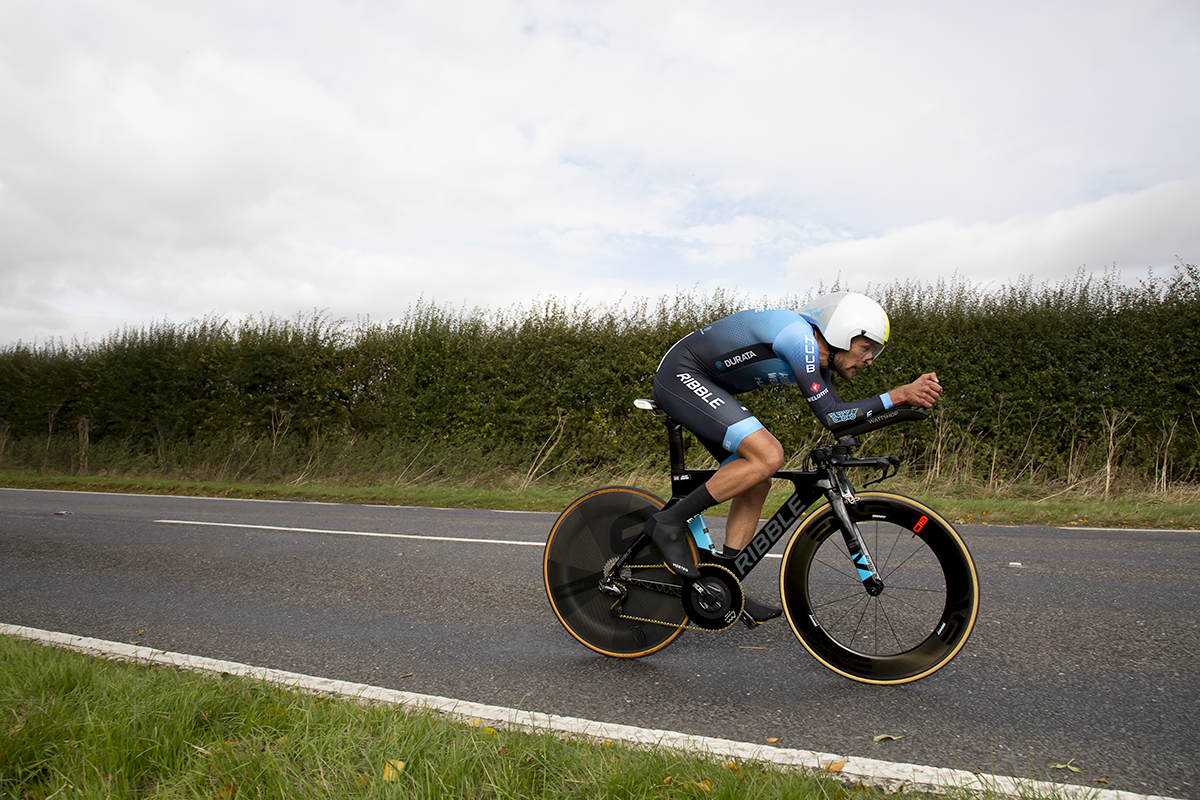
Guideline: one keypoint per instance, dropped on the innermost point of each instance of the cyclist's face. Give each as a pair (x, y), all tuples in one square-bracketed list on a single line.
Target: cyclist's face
[(860, 356)]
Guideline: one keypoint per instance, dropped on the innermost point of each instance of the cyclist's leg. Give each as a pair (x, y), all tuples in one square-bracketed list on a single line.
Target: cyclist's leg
[(690, 396), (745, 511), (749, 454), (747, 480), (759, 455)]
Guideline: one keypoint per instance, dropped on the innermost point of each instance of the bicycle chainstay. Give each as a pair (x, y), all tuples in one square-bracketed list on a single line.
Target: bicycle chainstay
[(672, 589)]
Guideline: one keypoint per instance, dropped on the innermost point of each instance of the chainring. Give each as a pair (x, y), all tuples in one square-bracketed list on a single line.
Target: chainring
[(724, 604)]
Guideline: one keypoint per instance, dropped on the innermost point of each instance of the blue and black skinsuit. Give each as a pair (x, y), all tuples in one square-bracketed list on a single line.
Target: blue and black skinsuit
[(699, 376)]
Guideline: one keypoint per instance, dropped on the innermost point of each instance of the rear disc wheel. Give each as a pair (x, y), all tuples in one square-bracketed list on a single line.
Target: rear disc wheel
[(589, 535)]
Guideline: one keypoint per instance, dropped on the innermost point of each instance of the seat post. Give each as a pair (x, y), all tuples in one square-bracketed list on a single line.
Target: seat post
[(682, 479), (675, 441)]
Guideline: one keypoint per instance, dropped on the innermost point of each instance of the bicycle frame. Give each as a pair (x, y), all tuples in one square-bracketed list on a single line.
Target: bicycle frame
[(827, 480)]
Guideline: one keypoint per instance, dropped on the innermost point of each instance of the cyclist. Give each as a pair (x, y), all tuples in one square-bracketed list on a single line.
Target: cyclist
[(699, 377)]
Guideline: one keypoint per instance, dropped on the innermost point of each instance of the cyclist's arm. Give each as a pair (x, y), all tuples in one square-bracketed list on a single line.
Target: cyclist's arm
[(798, 346)]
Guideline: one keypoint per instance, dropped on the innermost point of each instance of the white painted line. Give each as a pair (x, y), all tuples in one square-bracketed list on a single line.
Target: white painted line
[(1126, 530), (445, 508), (159, 496), (872, 771), (349, 533), (364, 533)]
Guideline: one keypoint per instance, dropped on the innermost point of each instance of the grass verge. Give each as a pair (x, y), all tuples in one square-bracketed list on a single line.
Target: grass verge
[(80, 726), (1178, 508)]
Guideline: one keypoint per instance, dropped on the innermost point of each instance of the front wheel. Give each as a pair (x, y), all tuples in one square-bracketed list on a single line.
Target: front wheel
[(917, 624)]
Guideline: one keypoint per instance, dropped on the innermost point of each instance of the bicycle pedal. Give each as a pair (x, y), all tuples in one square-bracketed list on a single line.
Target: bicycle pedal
[(749, 621)]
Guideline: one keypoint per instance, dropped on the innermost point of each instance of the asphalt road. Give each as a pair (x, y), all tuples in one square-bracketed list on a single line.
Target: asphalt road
[(1086, 653)]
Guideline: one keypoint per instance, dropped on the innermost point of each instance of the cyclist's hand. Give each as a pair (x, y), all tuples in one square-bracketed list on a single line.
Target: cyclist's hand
[(922, 393)]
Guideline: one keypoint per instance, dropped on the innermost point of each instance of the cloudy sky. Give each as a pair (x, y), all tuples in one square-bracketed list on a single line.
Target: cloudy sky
[(168, 160)]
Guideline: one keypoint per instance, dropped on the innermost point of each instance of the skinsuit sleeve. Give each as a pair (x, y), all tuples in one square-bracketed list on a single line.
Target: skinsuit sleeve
[(797, 345)]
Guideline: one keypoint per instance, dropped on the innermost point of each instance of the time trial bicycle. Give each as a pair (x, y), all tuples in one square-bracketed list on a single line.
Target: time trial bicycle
[(877, 586)]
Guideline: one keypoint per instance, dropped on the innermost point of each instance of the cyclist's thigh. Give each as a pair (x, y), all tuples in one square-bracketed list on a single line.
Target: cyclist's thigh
[(692, 398)]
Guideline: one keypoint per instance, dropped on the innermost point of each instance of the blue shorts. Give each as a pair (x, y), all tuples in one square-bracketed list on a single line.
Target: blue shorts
[(686, 391)]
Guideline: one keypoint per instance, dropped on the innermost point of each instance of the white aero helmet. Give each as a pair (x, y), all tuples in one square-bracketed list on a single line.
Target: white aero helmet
[(843, 315)]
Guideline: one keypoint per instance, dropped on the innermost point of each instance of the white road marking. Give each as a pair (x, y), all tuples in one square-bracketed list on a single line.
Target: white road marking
[(1121, 530), (364, 533), (886, 774), (350, 533)]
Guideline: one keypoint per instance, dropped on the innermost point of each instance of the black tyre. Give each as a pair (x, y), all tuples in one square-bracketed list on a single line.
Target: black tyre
[(592, 532), (917, 624)]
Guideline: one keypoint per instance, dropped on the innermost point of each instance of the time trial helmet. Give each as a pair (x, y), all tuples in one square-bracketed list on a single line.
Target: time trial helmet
[(843, 315)]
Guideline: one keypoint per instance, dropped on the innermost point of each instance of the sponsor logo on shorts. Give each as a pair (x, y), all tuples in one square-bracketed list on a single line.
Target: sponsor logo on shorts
[(700, 390)]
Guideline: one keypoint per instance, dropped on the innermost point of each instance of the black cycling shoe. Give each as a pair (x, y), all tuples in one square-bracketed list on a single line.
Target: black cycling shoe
[(677, 546), (760, 612)]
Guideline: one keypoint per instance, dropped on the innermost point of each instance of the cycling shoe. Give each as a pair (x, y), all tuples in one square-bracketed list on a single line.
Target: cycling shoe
[(677, 546), (760, 612)]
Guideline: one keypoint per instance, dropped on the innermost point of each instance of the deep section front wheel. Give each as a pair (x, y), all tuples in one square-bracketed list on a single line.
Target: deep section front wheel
[(584, 542), (920, 620)]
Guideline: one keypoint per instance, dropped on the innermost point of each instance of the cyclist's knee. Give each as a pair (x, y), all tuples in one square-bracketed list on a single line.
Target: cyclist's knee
[(764, 451)]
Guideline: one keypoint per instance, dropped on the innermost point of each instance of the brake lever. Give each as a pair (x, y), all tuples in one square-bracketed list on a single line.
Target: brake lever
[(888, 470)]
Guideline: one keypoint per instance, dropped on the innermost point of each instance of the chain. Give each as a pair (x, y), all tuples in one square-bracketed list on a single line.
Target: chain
[(628, 568)]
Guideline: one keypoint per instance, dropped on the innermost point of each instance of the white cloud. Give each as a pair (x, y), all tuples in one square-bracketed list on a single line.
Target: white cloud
[(1134, 231), (176, 159)]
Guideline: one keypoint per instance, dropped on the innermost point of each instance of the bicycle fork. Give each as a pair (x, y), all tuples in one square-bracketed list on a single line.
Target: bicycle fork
[(839, 498)]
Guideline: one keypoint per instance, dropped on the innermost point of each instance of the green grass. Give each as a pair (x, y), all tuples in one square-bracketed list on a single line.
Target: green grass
[(1020, 505), (78, 726)]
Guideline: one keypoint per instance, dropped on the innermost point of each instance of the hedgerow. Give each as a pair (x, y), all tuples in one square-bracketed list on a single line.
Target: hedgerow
[(1085, 381)]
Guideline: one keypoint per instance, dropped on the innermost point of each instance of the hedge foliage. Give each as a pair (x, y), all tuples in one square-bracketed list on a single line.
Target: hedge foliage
[(1058, 382)]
